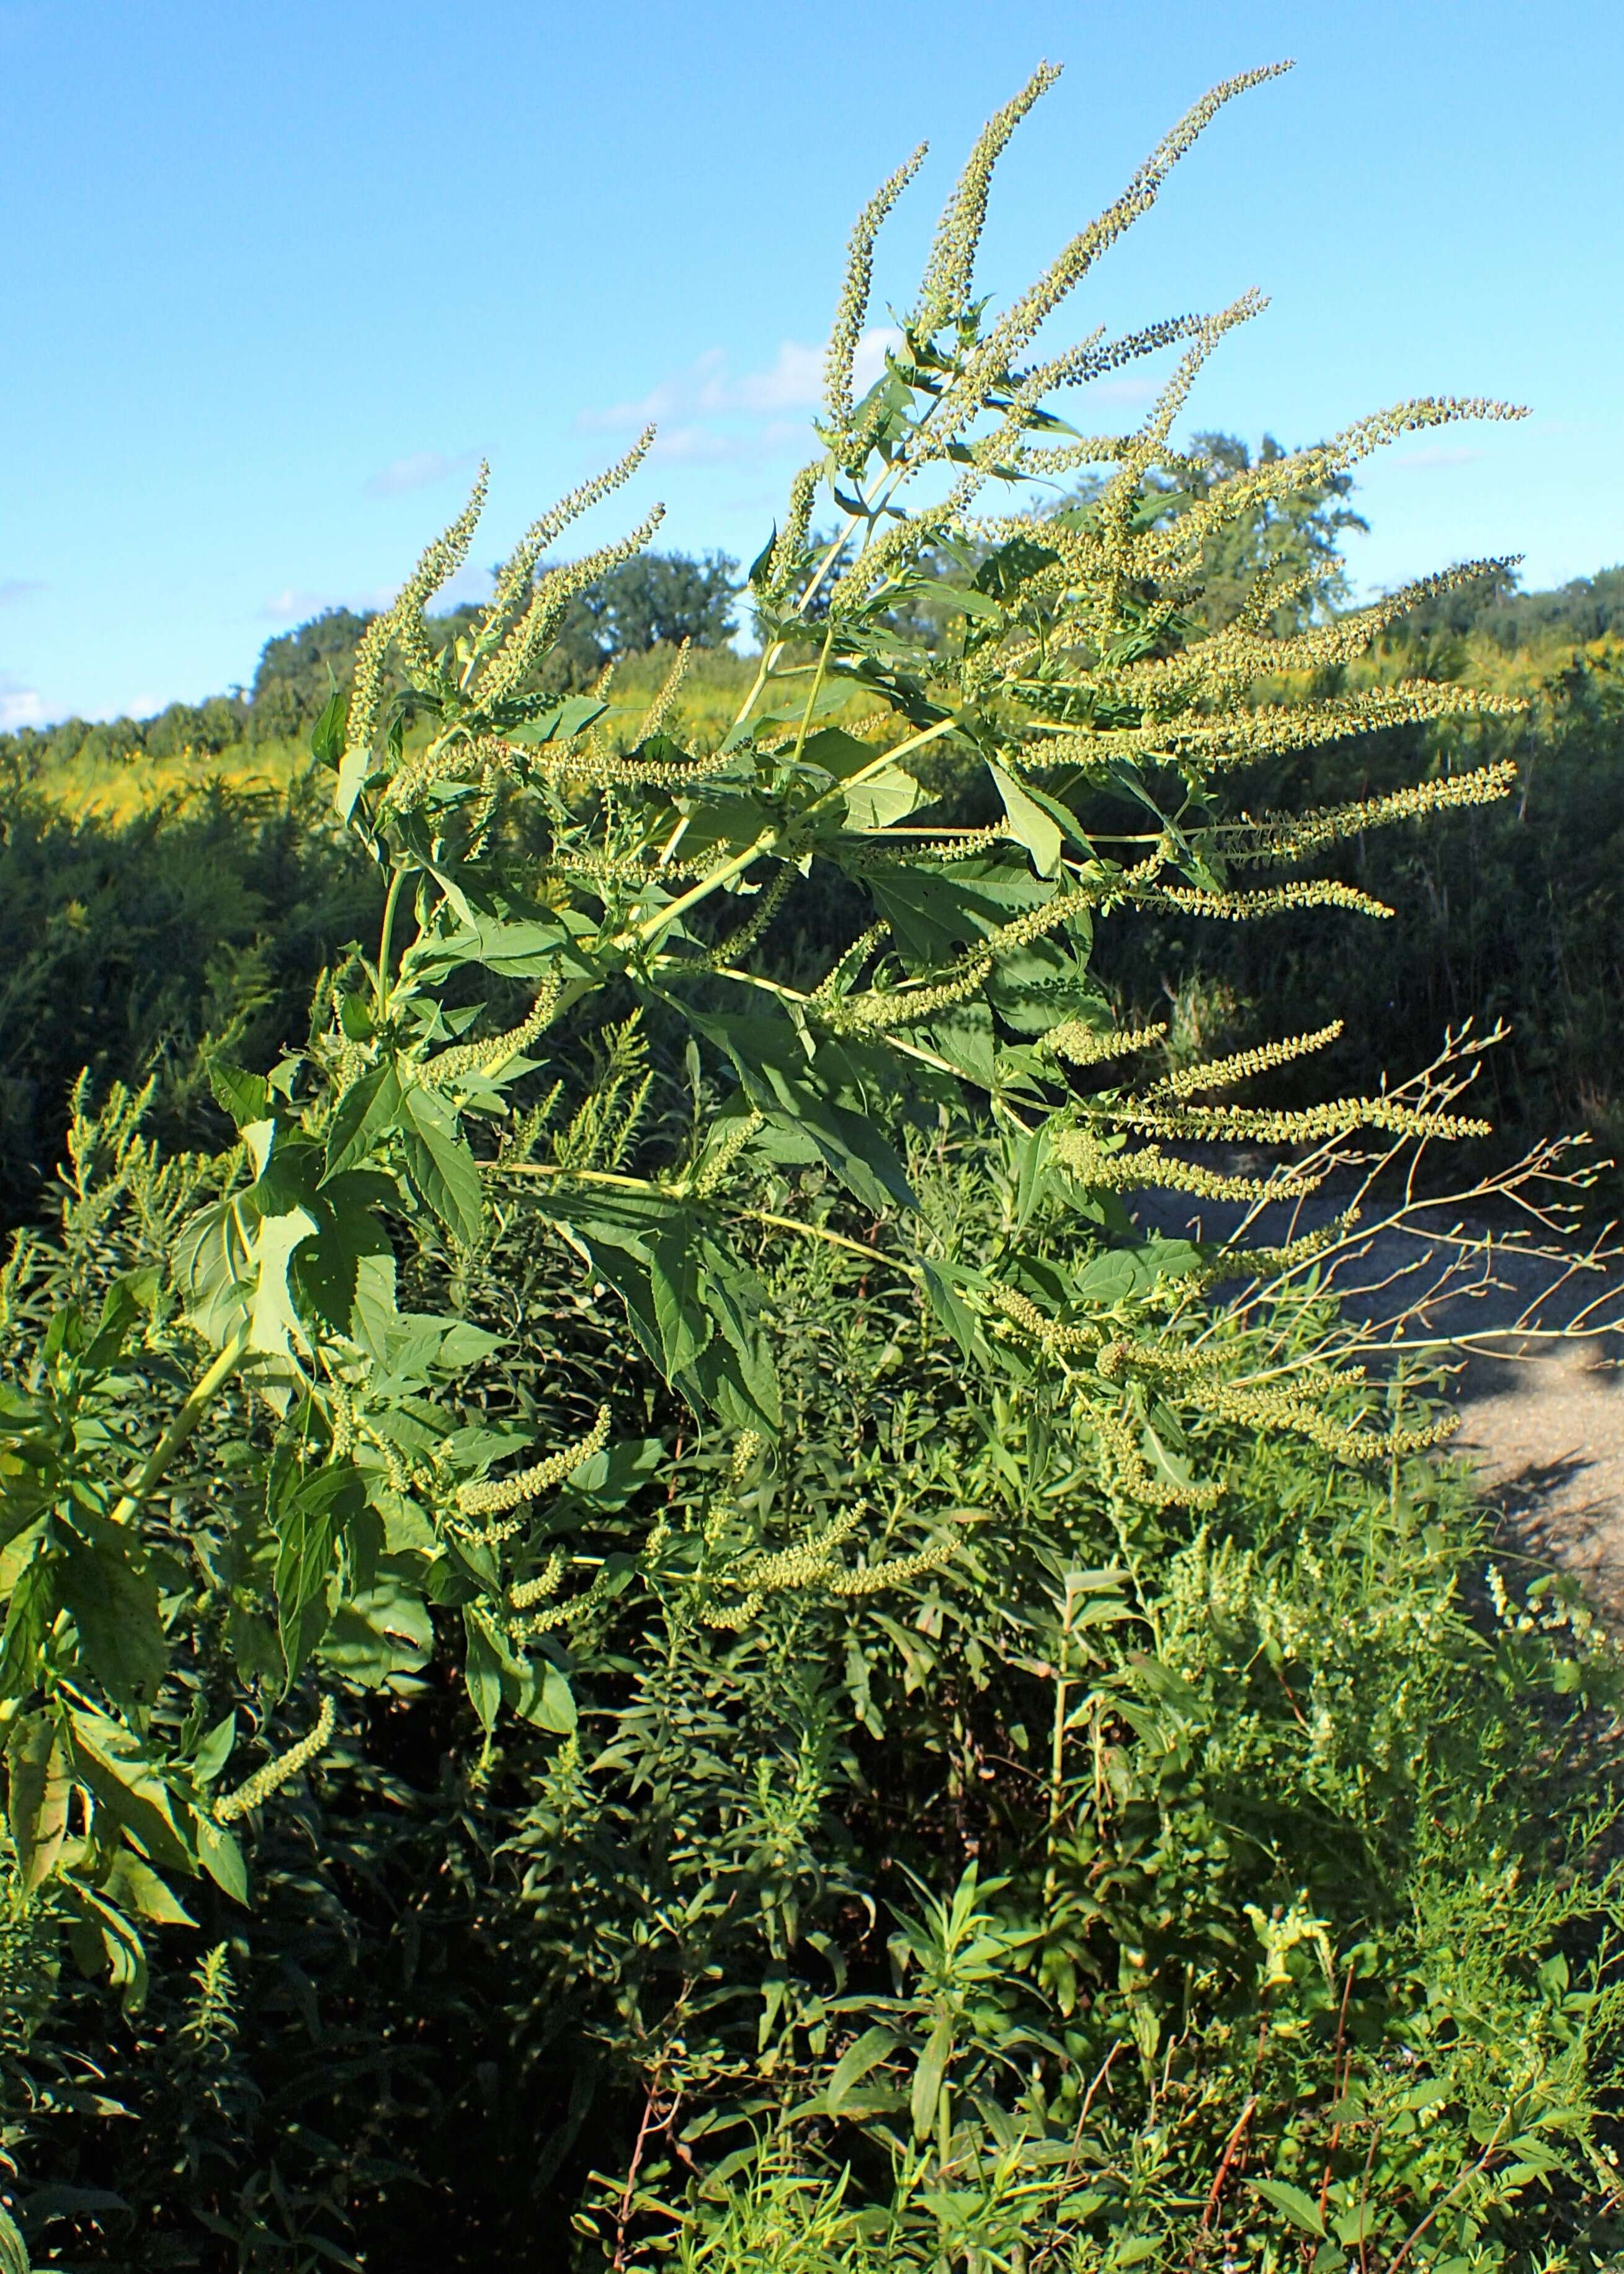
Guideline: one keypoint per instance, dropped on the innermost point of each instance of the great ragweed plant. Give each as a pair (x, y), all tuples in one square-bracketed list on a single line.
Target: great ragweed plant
[(524, 843)]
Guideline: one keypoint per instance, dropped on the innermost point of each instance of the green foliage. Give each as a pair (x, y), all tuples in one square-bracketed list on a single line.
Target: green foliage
[(298, 670), (136, 949), (1296, 538), (1588, 608), (657, 599), (646, 1557), (1508, 911), (654, 599)]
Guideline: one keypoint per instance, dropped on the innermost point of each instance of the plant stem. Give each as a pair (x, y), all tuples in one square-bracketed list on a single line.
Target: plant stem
[(1444, 2202), (652, 926), (753, 1216), (812, 694), (197, 1400), (583, 1176), (834, 1239), (386, 938), (771, 840), (1057, 1759)]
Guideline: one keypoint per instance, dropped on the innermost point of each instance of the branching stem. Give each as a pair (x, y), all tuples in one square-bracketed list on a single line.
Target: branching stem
[(199, 1399)]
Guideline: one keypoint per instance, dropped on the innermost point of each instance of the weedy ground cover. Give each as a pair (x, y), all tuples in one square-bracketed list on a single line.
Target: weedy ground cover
[(638, 1621)]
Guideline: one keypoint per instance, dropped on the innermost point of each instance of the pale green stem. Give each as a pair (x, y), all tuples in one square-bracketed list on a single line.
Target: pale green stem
[(915, 1051), (890, 757), (652, 926), (812, 696), (834, 1240), (1056, 1762), (677, 1191), (771, 840), (897, 474), (199, 1399), (584, 1176), (386, 938)]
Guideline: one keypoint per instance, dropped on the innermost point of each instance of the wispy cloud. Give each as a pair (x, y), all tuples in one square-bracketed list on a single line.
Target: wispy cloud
[(1437, 456), (697, 444), (298, 604), (1128, 392), (19, 706), (293, 606), (710, 415), (418, 471), (13, 589)]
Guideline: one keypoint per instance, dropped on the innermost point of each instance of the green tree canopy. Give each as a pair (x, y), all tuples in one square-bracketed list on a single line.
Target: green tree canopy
[(654, 599)]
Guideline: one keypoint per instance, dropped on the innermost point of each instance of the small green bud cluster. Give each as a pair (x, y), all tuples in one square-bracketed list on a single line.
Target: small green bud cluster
[(492, 1055), (277, 1772), (490, 1499), (1293, 837)]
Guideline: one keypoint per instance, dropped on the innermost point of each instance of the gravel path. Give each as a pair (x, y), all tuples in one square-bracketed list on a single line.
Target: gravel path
[(1543, 1419), (1548, 1433)]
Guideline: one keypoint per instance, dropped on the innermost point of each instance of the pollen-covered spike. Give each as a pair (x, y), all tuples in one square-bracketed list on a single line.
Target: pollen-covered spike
[(494, 1052), (1090, 360), (1083, 1045), (1122, 492), (1294, 836), (514, 577), (279, 1772), (950, 270), (1300, 470), (852, 307), (1225, 1074), (507, 669), (654, 717), (1294, 1125), (1271, 900), (496, 1499), (1150, 1170), (401, 621), (1011, 335)]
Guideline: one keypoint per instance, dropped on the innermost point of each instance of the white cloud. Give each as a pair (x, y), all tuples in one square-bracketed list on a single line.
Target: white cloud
[(697, 444), (1130, 391), (293, 606), (417, 471), (296, 604), (13, 589), (792, 381), (1437, 456), (709, 415), (19, 706)]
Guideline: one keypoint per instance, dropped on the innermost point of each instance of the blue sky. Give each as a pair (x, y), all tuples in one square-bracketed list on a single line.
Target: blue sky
[(277, 274)]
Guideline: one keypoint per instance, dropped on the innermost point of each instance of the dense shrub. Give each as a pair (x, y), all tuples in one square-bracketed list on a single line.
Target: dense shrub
[(134, 948)]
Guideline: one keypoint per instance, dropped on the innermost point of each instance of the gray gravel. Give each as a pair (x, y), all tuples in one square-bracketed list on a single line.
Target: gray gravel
[(1543, 1419)]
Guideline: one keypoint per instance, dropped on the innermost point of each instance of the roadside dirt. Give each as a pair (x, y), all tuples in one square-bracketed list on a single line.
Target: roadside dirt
[(1548, 1434), (1543, 1418)]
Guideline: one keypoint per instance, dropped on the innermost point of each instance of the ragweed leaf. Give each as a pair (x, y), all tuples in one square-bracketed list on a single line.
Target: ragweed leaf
[(439, 1166), (1300, 2208), (40, 1787), (367, 1112)]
